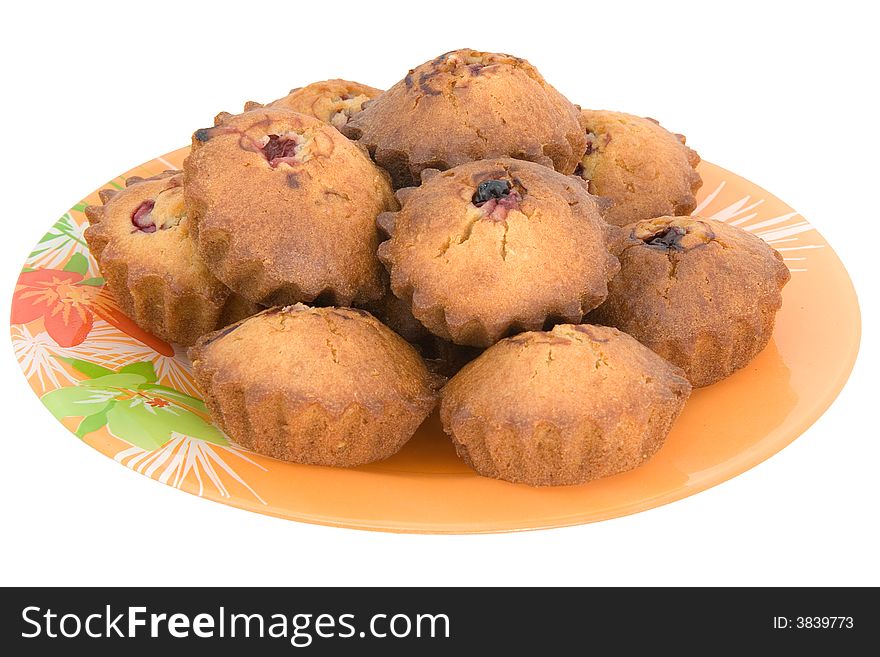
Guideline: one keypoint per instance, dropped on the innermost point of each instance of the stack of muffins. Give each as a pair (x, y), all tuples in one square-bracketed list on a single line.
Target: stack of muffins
[(342, 259)]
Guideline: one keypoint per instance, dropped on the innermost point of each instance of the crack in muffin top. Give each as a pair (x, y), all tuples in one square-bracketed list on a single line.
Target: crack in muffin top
[(284, 207), (468, 105), (496, 246)]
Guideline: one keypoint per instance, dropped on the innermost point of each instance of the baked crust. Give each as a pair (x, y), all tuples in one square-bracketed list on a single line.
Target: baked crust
[(283, 209), (644, 169), (326, 386), (701, 293), (468, 105), (156, 277), (562, 407), (473, 274)]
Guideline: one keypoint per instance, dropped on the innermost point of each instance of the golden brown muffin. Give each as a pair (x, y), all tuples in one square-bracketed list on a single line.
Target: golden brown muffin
[(468, 105), (701, 293), (284, 207), (326, 386), (140, 238), (497, 246), (562, 407), (331, 101), (647, 171)]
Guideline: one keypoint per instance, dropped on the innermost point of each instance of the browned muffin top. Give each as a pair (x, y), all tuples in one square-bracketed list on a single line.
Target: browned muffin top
[(333, 357), (700, 292), (562, 407), (566, 376), (145, 227), (285, 208), (468, 105), (331, 101), (495, 246), (644, 169)]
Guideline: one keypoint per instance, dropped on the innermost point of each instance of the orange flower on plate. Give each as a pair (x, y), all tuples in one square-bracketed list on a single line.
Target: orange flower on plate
[(68, 303)]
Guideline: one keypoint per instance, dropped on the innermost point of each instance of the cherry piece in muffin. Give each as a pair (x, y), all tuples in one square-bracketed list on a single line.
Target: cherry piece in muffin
[(493, 247), (141, 239), (284, 209), (701, 293)]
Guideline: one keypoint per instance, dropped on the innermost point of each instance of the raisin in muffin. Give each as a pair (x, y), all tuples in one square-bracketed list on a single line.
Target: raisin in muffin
[(326, 386), (562, 407), (468, 105), (497, 246), (140, 237), (701, 293), (332, 101), (284, 207), (644, 169)]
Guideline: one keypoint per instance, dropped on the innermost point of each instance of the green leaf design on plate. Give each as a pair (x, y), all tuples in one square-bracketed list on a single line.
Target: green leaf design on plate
[(78, 263), (66, 228), (91, 370), (129, 427), (119, 382), (132, 405), (95, 281), (77, 402), (149, 427), (93, 422), (176, 395), (143, 368)]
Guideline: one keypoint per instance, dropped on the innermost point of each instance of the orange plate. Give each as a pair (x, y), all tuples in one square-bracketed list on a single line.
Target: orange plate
[(60, 312)]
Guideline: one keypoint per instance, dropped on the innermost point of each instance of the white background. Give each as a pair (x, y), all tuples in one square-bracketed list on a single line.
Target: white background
[(778, 92)]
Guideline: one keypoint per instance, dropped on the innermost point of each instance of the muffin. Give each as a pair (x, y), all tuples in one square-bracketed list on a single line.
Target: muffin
[(645, 170), (441, 356), (497, 246), (562, 407), (468, 105), (140, 237), (326, 386), (332, 101), (283, 209), (701, 293)]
